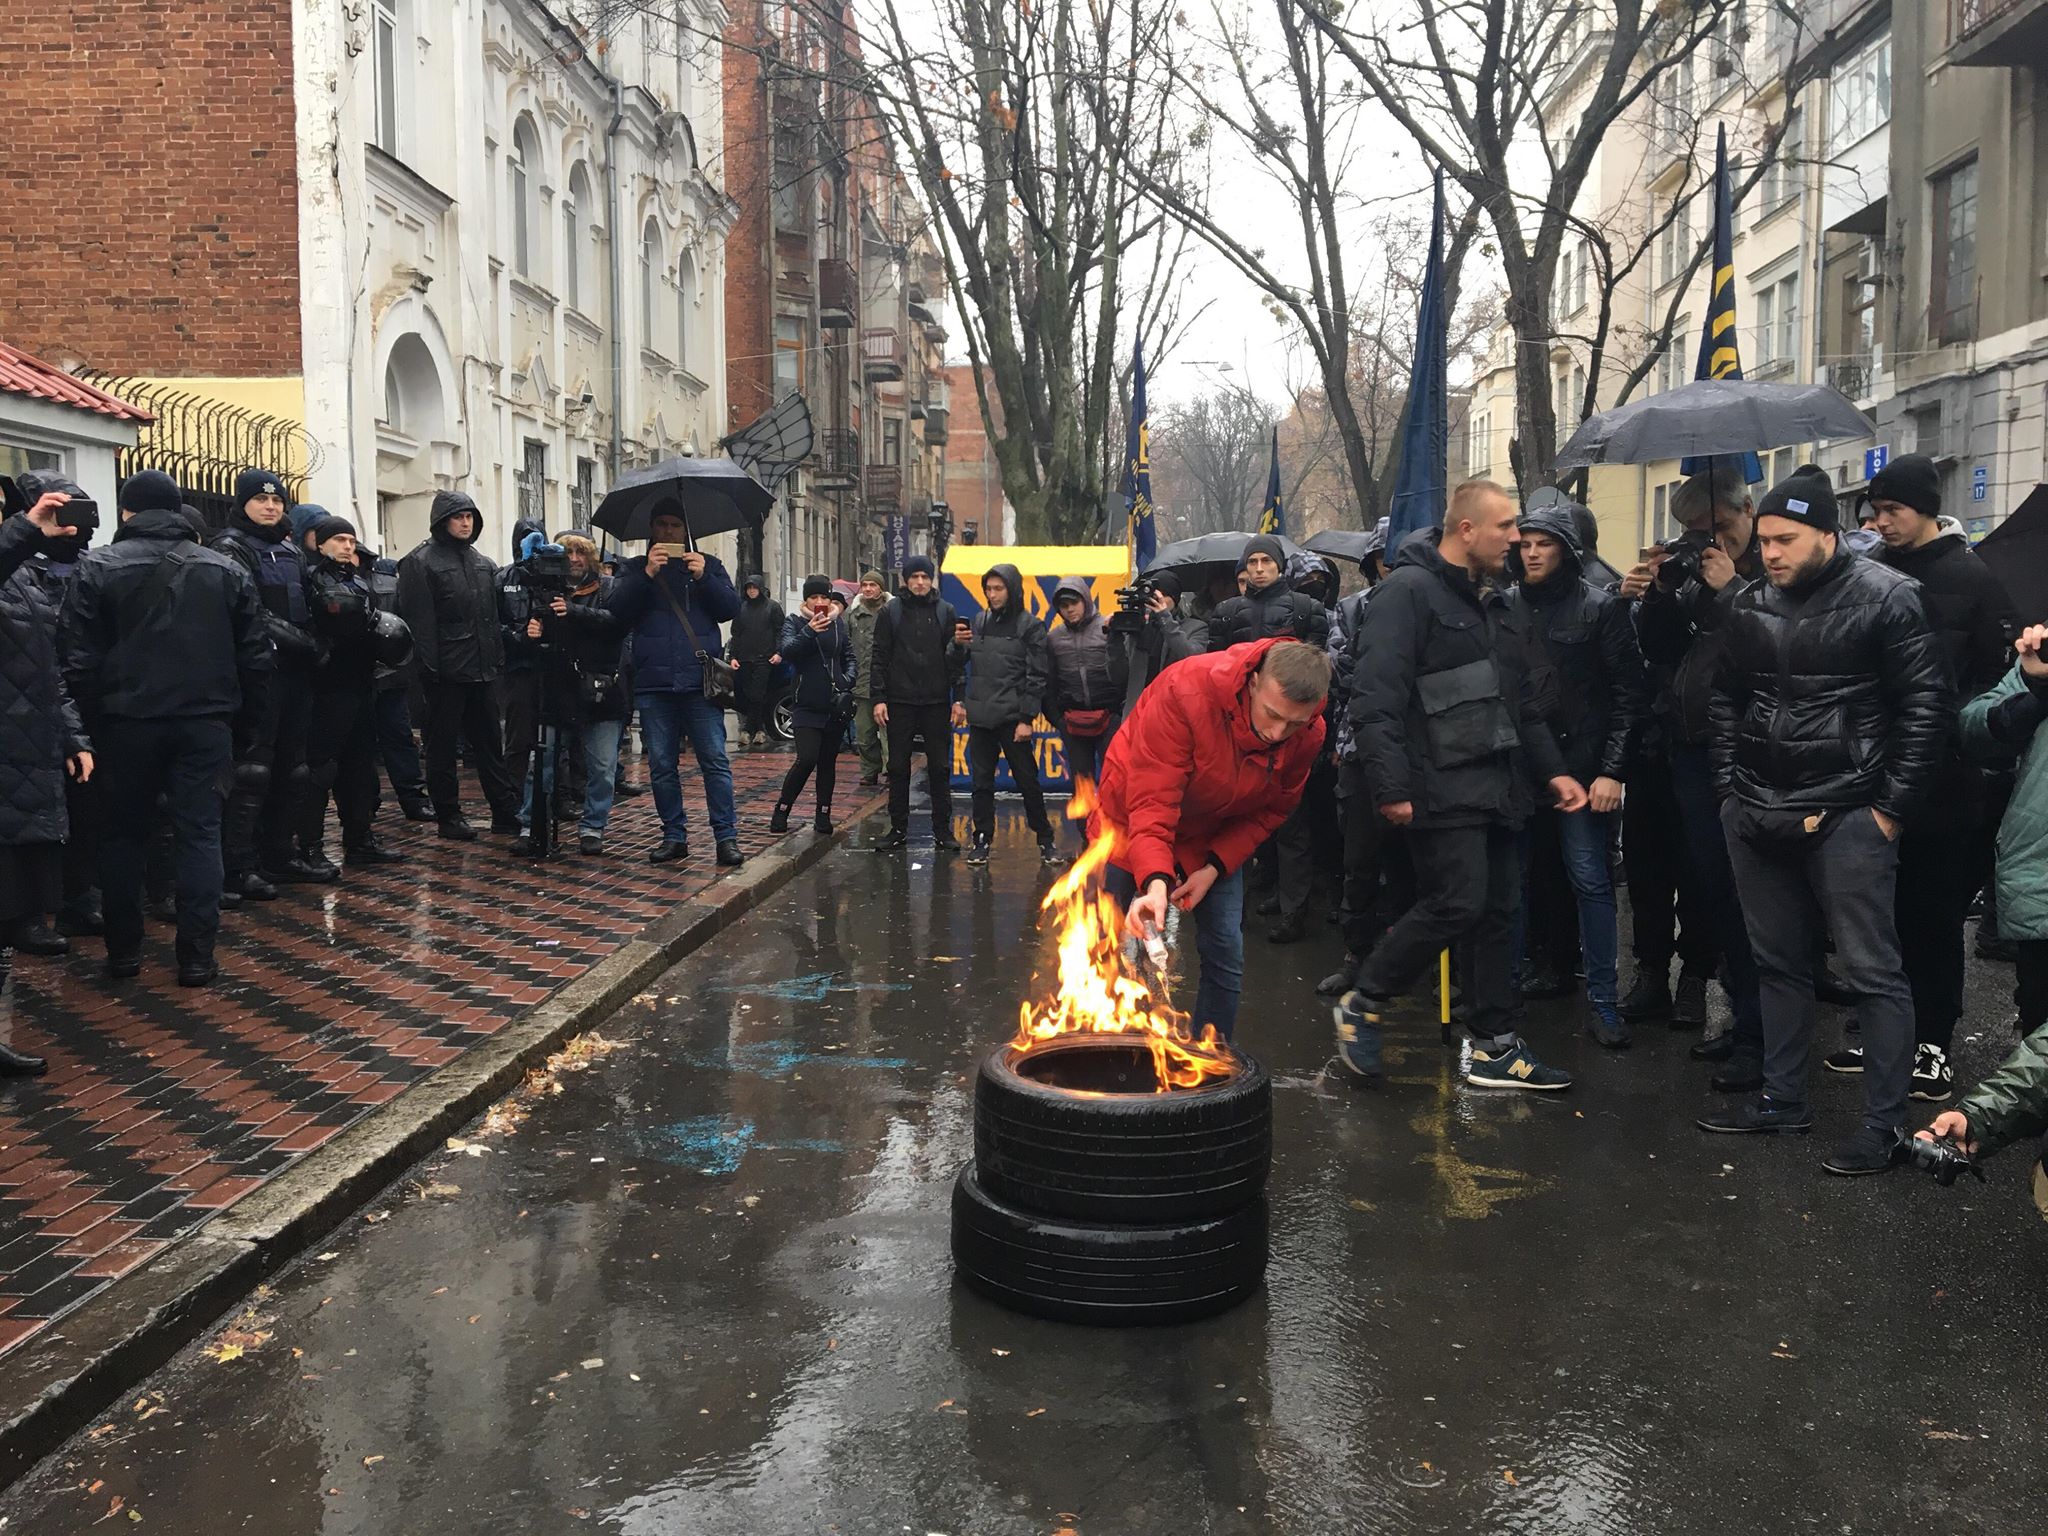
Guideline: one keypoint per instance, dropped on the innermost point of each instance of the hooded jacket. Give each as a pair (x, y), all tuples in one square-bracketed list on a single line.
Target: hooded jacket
[(1585, 637), (1077, 657), (1998, 726), (1443, 711), (39, 723), (277, 565), (757, 629), (448, 597), (1277, 612), (1188, 781), (1831, 695), (188, 643), (860, 625), (664, 657), (915, 660), (1006, 663)]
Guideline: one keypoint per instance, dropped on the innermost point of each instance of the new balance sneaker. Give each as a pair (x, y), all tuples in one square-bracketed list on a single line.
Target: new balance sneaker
[(1689, 1003), (1606, 1027), (1515, 1066), (1848, 1059), (1932, 1081), (1760, 1116), (1358, 1035), (1868, 1151)]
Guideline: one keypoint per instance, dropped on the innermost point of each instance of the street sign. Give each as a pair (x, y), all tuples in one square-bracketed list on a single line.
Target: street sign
[(899, 543), (1980, 483), (1875, 459)]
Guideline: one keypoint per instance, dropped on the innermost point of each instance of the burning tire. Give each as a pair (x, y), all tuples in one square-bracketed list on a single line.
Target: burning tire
[(1112, 1276), (1075, 1128)]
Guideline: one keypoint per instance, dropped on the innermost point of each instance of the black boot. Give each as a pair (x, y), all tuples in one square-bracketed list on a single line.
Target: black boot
[(1650, 997), (15, 1063), (822, 822), (83, 919), (33, 936), (779, 822)]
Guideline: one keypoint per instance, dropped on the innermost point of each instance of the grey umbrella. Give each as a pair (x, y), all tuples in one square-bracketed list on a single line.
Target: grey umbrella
[(1713, 416)]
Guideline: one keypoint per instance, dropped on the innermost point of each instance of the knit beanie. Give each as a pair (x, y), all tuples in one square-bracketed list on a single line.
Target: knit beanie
[(1911, 480), (1167, 582), (875, 577), (150, 491), (1262, 544), (817, 586), (251, 483), (920, 564), (304, 518), (329, 526), (1806, 496)]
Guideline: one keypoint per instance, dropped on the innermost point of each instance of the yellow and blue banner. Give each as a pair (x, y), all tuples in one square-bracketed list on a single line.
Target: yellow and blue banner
[(1144, 537), (1720, 349), (1272, 517)]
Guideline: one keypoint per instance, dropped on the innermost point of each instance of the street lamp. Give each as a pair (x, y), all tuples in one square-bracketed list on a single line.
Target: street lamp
[(941, 520)]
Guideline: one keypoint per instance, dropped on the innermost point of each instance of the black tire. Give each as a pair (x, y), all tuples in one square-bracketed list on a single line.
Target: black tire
[(1128, 1157), (1105, 1276)]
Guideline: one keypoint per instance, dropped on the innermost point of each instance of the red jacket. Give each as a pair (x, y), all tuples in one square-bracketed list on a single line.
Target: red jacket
[(1187, 780)]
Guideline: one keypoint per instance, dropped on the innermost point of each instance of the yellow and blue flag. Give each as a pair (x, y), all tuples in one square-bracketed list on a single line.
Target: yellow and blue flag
[(1144, 537), (1421, 476), (1720, 353), (1272, 518)]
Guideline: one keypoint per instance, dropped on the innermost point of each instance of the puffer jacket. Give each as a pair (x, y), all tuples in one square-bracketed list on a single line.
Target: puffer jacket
[(1347, 631), (824, 669), (1831, 695), (860, 625), (915, 661), (1583, 634), (1975, 622), (382, 576), (448, 597), (1188, 781), (1443, 715), (1006, 661), (1078, 657), (39, 724), (664, 660), (758, 626), (1998, 726), (1276, 612), (277, 565)]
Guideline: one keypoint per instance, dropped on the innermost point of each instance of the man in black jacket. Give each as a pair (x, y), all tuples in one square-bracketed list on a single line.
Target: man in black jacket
[(917, 666), (272, 780), (1832, 710), (1268, 606), (1450, 739), (448, 597), (1945, 852), (1583, 634), (602, 702), (166, 653), (341, 736), (1006, 682), (755, 634)]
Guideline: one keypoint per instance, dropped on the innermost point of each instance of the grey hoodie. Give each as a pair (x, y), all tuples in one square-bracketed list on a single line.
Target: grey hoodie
[(1079, 656)]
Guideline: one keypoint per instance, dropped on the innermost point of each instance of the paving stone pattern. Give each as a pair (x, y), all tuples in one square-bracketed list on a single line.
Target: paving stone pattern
[(165, 1105)]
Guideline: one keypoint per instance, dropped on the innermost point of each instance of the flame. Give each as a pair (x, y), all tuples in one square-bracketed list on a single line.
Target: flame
[(1096, 994)]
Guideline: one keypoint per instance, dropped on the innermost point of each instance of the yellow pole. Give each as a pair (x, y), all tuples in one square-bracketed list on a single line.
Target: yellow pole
[(1443, 986)]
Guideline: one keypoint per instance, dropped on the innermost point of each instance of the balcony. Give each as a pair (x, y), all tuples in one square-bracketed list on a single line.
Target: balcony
[(837, 458), (884, 494), (1998, 34), (838, 295), (937, 421), (1858, 376), (919, 300), (881, 356)]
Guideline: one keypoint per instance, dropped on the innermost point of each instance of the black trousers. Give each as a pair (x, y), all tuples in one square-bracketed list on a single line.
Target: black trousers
[(931, 724), (1309, 843), (84, 810), (184, 761), (1468, 888), (458, 712), (1550, 906), (1940, 869), (817, 747), (267, 802), (755, 688), (519, 699), (341, 754), (396, 744), (1664, 909), (1378, 882), (987, 743)]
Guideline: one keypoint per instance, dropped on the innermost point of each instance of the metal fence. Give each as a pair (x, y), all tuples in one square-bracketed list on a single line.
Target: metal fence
[(203, 443)]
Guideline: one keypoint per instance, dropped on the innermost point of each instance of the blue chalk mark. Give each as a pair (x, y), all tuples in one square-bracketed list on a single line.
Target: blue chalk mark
[(813, 988), (717, 1144), (779, 1058)]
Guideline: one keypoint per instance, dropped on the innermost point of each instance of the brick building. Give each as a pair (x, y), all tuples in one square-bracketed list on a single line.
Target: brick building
[(974, 481)]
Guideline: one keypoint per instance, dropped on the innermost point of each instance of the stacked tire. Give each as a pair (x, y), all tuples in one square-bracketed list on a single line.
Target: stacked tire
[(1113, 1207)]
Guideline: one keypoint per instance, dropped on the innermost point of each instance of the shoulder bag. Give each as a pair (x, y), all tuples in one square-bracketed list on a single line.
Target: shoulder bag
[(718, 673)]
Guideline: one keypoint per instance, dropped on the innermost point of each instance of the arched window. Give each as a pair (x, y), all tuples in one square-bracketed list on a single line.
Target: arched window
[(412, 391), (652, 268), (576, 208), (524, 191), (686, 306)]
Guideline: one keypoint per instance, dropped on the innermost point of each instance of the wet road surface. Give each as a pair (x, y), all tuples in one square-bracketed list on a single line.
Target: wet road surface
[(704, 1288)]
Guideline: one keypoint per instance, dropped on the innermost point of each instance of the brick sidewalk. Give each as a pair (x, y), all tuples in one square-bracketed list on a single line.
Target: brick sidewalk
[(163, 1106)]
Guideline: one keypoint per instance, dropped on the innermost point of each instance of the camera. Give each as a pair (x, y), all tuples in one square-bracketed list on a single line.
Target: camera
[(547, 571), (1682, 558), (1133, 605), (1944, 1159)]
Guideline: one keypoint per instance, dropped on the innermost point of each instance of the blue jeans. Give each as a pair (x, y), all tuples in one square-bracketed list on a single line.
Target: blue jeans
[(664, 717), (602, 742), (1587, 841), (1219, 941)]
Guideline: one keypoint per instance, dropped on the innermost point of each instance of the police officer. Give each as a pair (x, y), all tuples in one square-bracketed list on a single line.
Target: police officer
[(165, 648)]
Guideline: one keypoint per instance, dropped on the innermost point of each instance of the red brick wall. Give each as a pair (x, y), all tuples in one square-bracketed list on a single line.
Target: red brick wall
[(749, 297), (974, 485), (150, 186)]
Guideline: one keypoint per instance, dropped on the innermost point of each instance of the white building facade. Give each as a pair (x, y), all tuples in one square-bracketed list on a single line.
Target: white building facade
[(512, 246)]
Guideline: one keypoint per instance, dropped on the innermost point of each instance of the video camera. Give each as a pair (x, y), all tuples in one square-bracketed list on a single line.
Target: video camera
[(1133, 605), (1682, 558), (1944, 1159), (547, 571)]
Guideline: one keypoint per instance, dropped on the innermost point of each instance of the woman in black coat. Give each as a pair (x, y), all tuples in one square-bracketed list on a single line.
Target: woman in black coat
[(817, 643), (41, 739)]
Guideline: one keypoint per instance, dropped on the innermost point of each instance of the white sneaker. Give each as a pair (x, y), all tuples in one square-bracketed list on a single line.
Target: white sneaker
[(1932, 1082)]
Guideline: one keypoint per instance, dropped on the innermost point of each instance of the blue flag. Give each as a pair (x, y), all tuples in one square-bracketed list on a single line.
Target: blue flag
[(1420, 490), (1720, 354), (1138, 469), (1272, 519)]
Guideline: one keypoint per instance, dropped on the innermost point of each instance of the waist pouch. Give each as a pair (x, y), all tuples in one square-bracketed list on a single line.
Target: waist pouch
[(1085, 722)]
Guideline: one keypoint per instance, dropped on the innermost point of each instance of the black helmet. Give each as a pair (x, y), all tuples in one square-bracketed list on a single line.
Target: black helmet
[(390, 640)]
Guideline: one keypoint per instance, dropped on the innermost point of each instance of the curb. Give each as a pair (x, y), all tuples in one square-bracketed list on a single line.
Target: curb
[(58, 1383)]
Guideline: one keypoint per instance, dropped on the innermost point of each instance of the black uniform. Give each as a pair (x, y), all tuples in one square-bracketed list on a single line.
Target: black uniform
[(165, 650), (916, 667), (341, 738), (756, 632)]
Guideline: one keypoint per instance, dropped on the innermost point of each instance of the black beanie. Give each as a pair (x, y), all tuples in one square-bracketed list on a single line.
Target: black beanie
[(1911, 480), (329, 526), (150, 491), (1261, 544), (1168, 583), (251, 483), (1806, 496), (918, 563), (817, 586)]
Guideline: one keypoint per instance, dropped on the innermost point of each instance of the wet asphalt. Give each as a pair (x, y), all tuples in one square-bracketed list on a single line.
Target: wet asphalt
[(704, 1288)]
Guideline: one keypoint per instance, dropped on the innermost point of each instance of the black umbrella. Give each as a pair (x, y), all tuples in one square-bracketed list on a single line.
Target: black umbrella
[(1199, 560), (1352, 544), (713, 496), (2017, 552), (1713, 416)]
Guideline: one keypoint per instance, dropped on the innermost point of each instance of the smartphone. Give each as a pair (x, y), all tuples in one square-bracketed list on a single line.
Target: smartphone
[(673, 551), (80, 512), (1650, 552)]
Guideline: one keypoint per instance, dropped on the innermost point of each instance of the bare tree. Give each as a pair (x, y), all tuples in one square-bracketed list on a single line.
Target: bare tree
[(1209, 462)]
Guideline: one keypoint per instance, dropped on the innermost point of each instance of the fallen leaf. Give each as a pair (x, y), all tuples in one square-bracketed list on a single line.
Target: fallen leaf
[(323, 1257), (999, 1351), (594, 1363), (751, 1201), (97, 1484), (1513, 1481), (439, 1290), (947, 1403), (475, 1318), (298, 1353), (1032, 1413), (373, 1217), (371, 1461), (439, 1191), (559, 1376), (104, 1429), (1945, 1434), (831, 1343)]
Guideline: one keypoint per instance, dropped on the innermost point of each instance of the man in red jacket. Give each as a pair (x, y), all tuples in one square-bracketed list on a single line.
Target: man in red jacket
[(1203, 771)]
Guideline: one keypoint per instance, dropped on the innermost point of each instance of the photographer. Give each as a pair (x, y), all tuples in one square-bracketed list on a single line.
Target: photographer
[(1684, 591), (815, 641), (1146, 635), (341, 732), (541, 625), (600, 699)]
